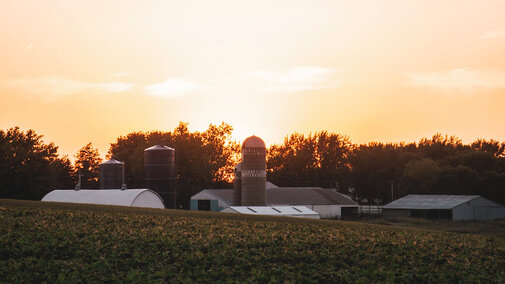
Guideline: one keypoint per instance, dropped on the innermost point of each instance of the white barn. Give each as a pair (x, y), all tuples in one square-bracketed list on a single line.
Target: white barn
[(289, 211), (328, 203), (127, 197), (455, 207)]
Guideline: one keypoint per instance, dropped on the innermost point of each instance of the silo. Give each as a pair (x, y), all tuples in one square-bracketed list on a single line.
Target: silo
[(237, 186), (111, 174), (159, 167), (253, 172)]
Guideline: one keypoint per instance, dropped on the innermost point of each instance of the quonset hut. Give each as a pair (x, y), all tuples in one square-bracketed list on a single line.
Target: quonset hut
[(159, 165), (129, 197)]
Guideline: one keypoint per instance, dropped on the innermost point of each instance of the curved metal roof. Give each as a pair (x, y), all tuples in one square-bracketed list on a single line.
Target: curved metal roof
[(158, 147), (128, 197), (112, 162), (253, 142)]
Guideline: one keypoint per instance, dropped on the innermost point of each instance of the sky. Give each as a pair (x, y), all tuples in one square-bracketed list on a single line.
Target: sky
[(389, 71)]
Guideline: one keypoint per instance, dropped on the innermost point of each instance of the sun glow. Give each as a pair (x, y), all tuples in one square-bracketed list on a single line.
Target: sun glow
[(394, 71)]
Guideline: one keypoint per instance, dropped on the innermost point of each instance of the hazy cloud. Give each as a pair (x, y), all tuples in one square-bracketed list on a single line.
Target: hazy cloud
[(173, 87), (115, 87), (54, 88), (296, 79), (493, 34), (463, 79)]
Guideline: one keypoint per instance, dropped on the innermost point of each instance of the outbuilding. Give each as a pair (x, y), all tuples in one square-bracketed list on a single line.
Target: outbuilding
[(455, 207), (328, 203), (127, 197), (287, 211)]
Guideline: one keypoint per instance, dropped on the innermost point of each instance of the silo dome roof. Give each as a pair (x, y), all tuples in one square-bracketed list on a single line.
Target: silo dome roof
[(112, 161), (158, 147), (253, 142)]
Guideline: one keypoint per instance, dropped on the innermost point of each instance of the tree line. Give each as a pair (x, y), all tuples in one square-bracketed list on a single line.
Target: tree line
[(371, 173)]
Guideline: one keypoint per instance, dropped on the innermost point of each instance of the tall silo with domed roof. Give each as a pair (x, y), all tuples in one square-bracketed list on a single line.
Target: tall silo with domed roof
[(253, 172)]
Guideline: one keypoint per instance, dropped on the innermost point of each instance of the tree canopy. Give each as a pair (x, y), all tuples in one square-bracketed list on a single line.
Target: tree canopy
[(87, 164), (442, 164), (29, 168)]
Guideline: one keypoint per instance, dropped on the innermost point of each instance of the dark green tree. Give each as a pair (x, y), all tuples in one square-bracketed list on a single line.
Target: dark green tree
[(320, 159), (30, 168), (203, 159), (87, 164)]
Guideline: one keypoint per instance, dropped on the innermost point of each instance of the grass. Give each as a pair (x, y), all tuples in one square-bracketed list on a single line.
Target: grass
[(56, 242), (491, 228)]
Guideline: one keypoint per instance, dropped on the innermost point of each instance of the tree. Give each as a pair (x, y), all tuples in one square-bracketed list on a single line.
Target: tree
[(30, 168), (203, 159), (320, 159), (87, 165), (422, 176)]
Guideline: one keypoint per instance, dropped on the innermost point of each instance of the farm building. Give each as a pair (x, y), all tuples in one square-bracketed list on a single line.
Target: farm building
[(455, 207), (291, 211), (326, 202), (128, 197)]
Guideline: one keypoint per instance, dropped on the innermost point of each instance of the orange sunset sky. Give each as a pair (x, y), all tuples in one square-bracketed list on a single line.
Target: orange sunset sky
[(90, 71)]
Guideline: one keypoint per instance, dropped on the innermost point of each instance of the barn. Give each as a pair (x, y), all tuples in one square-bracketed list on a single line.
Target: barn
[(328, 203), (454, 207), (127, 197)]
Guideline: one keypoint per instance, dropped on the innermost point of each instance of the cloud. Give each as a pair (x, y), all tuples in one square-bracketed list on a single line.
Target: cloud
[(115, 87), (173, 87), (54, 88), (492, 34), (462, 79), (292, 80)]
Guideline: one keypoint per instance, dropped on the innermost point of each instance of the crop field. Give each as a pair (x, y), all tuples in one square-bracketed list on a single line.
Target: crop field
[(48, 242)]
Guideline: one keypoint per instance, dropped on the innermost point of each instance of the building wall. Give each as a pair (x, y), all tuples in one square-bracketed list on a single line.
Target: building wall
[(203, 195), (148, 199), (463, 212), (478, 209), (395, 213), (327, 211)]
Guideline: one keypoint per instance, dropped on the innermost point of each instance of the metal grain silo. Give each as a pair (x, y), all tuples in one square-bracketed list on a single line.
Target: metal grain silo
[(237, 186), (111, 174), (253, 172), (159, 167)]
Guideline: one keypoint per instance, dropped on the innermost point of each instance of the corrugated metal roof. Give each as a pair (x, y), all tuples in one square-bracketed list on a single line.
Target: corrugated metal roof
[(292, 196), (274, 210), (422, 201), (117, 197)]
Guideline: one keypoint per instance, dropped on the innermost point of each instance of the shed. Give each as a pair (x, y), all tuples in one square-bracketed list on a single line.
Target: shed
[(288, 211), (128, 197), (455, 207), (327, 202)]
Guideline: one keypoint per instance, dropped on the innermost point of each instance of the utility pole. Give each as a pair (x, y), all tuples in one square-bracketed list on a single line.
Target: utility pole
[(392, 195)]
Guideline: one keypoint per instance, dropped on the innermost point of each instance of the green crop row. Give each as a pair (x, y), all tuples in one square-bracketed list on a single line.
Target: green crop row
[(65, 245)]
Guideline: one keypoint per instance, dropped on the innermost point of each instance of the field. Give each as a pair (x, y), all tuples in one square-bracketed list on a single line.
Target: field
[(82, 243)]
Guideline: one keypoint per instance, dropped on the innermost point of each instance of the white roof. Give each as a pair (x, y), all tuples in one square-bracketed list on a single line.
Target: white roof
[(421, 201), (273, 210), (128, 197)]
